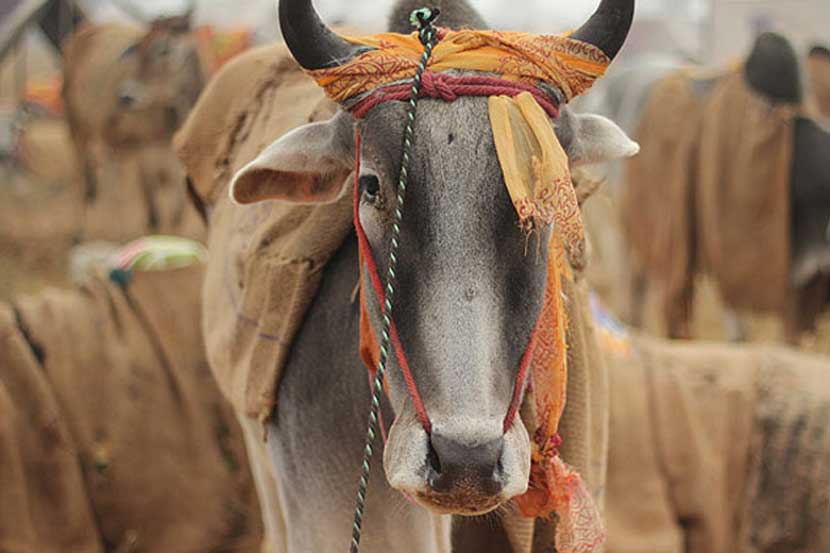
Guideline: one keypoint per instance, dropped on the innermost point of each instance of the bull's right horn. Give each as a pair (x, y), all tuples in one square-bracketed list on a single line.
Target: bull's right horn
[(312, 44), (608, 27)]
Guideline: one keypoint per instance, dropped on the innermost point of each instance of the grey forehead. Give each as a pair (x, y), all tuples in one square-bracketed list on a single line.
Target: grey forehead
[(437, 124)]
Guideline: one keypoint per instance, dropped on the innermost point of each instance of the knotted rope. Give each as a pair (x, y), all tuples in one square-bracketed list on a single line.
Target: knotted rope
[(446, 87)]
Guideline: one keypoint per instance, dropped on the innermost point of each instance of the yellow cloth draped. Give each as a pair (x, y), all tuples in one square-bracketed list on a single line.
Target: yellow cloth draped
[(568, 64), (536, 170)]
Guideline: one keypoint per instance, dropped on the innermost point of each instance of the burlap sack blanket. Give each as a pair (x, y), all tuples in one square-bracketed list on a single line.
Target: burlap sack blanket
[(266, 261), (743, 197), (711, 183), (656, 208), (717, 449), (113, 436)]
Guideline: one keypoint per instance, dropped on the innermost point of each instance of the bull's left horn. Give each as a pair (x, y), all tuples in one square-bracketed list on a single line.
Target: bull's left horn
[(608, 27), (312, 44)]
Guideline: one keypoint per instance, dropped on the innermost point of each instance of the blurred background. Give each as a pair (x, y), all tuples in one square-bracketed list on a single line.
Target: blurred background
[(101, 349), (705, 30)]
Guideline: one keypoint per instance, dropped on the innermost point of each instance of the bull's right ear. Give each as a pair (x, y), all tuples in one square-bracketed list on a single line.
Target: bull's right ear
[(308, 165)]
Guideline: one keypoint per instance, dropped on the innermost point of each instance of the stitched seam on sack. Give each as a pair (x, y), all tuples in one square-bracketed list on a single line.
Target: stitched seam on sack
[(25, 332)]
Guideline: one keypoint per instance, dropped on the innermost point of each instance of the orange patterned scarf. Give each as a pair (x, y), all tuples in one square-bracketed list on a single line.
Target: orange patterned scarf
[(570, 65)]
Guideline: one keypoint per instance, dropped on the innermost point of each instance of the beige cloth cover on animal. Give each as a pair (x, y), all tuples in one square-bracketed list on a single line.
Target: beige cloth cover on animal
[(711, 183), (717, 449), (113, 436)]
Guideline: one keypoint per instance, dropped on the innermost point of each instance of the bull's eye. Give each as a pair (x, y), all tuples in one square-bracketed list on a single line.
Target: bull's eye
[(371, 188)]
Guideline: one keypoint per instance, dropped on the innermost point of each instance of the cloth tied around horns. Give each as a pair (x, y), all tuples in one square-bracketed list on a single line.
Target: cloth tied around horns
[(536, 173), (512, 69)]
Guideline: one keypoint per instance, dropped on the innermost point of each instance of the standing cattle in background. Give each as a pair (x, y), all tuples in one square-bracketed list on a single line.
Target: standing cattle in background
[(125, 87), (470, 289), (733, 180)]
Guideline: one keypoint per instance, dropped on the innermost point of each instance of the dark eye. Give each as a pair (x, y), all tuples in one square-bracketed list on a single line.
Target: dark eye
[(371, 187)]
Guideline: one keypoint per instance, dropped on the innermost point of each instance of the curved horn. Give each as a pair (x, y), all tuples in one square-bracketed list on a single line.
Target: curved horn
[(313, 45), (608, 27)]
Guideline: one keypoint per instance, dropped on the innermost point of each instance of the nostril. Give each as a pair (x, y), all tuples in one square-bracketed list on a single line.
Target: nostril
[(126, 100), (452, 464)]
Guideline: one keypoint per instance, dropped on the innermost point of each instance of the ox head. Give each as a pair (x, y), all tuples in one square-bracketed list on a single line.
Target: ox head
[(165, 71), (471, 282)]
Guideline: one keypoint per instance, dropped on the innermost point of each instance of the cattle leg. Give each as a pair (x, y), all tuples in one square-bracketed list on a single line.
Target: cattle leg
[(90, 181), (677, 310), (147, 189), (735, 328), (273, 519), (806, 306), (638, 286)]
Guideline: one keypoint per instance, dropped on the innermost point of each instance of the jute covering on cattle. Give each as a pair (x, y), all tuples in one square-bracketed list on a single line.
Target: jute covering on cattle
[(710, 185), (656, 211), (717, 449), (113, 436), (270, 257), (267, 260)]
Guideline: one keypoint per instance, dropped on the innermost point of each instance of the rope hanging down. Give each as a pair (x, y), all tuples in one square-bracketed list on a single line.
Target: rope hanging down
[(422, 19)]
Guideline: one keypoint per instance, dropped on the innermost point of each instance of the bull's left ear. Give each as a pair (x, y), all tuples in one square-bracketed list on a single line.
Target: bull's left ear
[(595, 139), (308, 165)]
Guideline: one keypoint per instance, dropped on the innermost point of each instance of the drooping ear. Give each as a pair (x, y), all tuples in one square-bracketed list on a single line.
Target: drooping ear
[(595, 139), (308, 165)]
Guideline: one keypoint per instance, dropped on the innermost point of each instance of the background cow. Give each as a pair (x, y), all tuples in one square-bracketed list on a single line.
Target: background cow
[(801, 247), (125, 87)]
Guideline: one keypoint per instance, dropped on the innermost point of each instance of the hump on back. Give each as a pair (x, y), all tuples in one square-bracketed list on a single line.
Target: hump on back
[(773, 70)]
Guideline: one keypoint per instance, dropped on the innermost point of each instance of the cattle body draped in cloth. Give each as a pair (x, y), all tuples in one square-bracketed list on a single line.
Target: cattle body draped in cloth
[(126, 88), (113, 435), (732, 181), (281, 316), (716, 448)]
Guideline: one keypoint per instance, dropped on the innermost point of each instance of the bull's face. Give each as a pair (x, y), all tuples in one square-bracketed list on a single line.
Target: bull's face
[(165, 73), (470, 282)]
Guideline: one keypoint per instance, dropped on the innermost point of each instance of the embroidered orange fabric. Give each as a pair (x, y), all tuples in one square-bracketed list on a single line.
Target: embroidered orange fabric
[(568, 64)]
